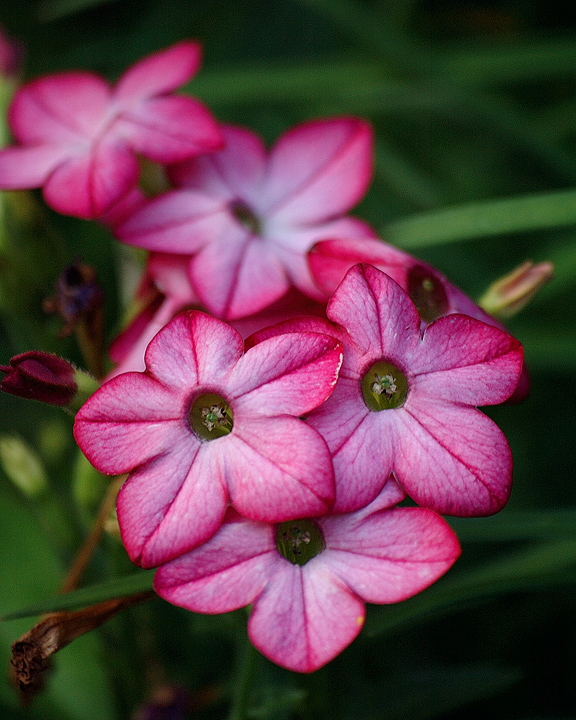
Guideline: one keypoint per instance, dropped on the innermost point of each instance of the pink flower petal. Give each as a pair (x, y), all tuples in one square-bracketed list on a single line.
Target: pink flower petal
[(468, 362), (131, 419), (181, 221), (159, 73), (305, 617), (169, 129), (278, 469), (226, 573), (237, 274), (88, 185), (452, 459), (379, 316), (172, 505), (288, 374), (63, 108), (318, 170), (194, 349), (390, 555), (22, 168), (234, 173)]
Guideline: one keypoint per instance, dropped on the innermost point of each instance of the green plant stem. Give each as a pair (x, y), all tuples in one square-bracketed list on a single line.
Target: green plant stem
[(246, 664)]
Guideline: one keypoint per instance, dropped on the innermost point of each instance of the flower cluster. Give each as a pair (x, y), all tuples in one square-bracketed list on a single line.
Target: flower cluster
[(289, 379)]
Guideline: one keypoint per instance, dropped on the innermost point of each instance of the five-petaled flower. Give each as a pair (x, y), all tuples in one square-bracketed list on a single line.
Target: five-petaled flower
[(247, 218), (78, 138), (308, 579), (446, 454), (208, 424)]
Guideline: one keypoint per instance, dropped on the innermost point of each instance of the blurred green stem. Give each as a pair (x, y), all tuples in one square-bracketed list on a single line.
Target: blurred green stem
[(245, 665)]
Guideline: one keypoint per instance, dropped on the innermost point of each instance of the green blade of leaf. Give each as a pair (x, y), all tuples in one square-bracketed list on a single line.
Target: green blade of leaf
[(481, 219), (118, 587)]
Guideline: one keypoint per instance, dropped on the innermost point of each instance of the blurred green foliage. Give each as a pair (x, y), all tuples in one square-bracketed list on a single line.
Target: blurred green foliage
[(474, 110)]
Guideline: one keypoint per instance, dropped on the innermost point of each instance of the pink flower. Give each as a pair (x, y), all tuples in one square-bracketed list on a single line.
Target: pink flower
[(308, 580), (405, 400), (78, 138), (433, 295), (247, 218), (208, 424)]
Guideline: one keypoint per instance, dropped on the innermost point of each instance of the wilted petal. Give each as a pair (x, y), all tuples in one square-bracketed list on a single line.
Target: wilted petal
[(159, 73), (305, 617), (319, 170)]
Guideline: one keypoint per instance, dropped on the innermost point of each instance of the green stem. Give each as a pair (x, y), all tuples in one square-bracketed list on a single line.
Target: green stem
[(246, 664)]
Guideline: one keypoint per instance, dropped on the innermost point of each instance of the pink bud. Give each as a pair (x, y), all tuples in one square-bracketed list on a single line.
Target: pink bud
[(511, 293), (40, 376)]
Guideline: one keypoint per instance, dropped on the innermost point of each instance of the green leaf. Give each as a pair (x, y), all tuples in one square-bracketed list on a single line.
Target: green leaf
[(119, 587), (485, 218), (49, 10)]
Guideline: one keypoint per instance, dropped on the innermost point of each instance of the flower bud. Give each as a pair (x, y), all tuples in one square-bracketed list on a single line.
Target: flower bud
[(45, 377), (511, 293)]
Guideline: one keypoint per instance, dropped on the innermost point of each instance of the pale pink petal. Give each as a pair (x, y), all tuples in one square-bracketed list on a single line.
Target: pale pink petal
[(318, 170), (88, 185), (379, 316), (288, 374), (330, 260), (181, 221), (169, 129), (466, 362), (61, 108), (195, 349), (305, 617), (226, 573), (237, 274), (361, 443), (131, 419), (190, 498), (171, 276), (452, 459), (390, 555), (159, 73), (234, 173), (278, 469), (22, 168)]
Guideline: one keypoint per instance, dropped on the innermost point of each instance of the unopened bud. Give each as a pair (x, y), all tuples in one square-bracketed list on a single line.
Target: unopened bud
[(511, 293), (36, 375)]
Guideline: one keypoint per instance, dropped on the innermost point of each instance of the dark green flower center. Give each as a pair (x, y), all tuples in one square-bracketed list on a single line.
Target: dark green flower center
[(210, 417), (245, 216), (384, 387), (427, 292), (299, 541)]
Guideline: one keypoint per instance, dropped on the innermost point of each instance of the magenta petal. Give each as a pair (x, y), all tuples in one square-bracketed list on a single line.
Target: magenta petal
[(159, 73), (288, 374), (194, 349), (465, 361), (305, 617), (226, 573), (128, 421), (181, 221), (88, 185), (389, 555), (238, 274), (22, 168), (452, 459), (169, 129), (234, 173), (278, 469), (379, 316), (319, 170), (61, 108), (172, 504)]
